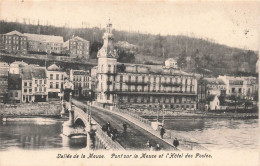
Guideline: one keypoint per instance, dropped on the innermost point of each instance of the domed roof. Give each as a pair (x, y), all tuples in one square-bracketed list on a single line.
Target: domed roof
[(53, 67)]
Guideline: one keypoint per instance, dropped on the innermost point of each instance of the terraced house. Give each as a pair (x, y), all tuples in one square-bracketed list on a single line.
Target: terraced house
[(82, 82), (34, 87), (55, 81), (13, 42), (141, 84)]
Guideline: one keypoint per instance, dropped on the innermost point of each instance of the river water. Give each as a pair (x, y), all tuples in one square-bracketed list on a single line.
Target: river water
[(35, 134), (45, 133), (219, 134)]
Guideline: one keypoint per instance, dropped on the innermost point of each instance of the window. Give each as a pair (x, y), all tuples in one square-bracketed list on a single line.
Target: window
[(40, 89), (109, 68), (51, 85), (51, 76), (16, 94), (240, 90), (57, 85), (25, 83), (57, 76), (25, 90), (40, 81), (44, 89), (36, 81), (30, 90), (44, 81), (233, 90), (11, 94), (35, 89)]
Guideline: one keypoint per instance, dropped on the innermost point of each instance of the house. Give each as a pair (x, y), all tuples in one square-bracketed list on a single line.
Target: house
[(213, 102), (34, 84), (55, 80), (77, 47), (15, 88), (13, 42), (171, 63), (4, 68), (82, 82), (16, 66)]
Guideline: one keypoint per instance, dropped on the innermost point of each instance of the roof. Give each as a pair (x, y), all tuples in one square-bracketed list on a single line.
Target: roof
[(153, 69), (212, 80), (80, 72), (39, 73), (18, 64), (14, 33), (211, 97), (53, 67), (44, 38), (4, 65), (171, 59), (14, 81), (26, 72)]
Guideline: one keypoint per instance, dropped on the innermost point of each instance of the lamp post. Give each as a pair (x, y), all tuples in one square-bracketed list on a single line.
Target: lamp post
[(163, 114), (91, 130), (158, 112)]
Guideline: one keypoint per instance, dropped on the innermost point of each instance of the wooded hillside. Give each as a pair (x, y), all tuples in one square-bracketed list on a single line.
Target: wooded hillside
[(193, 54)]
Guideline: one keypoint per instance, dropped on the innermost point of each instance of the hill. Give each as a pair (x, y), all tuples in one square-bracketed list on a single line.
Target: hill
[(193, 54)]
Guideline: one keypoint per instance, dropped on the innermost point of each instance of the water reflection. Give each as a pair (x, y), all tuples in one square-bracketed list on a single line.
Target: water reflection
[(36, 133)]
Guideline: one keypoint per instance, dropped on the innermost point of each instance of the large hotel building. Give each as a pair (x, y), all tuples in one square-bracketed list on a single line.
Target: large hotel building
[(132, 84)]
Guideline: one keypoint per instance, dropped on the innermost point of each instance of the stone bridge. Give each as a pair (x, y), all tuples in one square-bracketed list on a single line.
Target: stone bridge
[(81, 123)]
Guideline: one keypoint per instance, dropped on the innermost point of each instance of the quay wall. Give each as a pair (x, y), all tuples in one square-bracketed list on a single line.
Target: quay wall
[(31, 109)]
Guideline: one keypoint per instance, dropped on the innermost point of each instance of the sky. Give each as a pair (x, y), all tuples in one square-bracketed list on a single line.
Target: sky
[(231, 23)]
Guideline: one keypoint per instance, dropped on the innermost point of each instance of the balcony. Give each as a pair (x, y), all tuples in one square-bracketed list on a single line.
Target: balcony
[(167, 84), (137, 83)]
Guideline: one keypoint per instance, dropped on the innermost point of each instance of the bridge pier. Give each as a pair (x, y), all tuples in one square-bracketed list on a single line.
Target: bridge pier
[(68, 128)]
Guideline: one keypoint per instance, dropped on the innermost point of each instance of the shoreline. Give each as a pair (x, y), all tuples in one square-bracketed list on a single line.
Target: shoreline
[(202, 116), (32, 116)]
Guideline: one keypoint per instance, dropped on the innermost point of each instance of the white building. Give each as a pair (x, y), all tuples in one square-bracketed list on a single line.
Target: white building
[(213, 102), (16, 66), (132, 84), (243, 87), (55, 80), (82, 82), (171, 63)]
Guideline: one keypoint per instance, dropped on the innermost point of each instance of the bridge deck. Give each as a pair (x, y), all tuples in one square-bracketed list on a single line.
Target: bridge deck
[(135, 138)]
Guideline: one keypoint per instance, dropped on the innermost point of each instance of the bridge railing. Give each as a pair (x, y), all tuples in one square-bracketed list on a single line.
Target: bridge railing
[(103, 137)]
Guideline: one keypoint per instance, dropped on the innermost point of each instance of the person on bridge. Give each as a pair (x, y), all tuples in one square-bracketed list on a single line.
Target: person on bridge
[(158, 148), (175, 142), (162, 132), (125, 127)]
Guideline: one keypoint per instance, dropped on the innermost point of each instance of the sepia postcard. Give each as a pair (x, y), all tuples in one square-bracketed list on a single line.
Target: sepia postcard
[(132, 82)]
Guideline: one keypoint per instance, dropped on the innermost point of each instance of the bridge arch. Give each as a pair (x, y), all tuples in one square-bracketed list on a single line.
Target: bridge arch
[(79, 123)]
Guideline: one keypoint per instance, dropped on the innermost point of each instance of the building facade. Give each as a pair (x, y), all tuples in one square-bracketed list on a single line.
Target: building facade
[(16, 66), (141, 84), (77, 47), (13, 42), (14, 88), (44, 43), (4, 70), (82, 82), (242, 87), (55, 81)]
